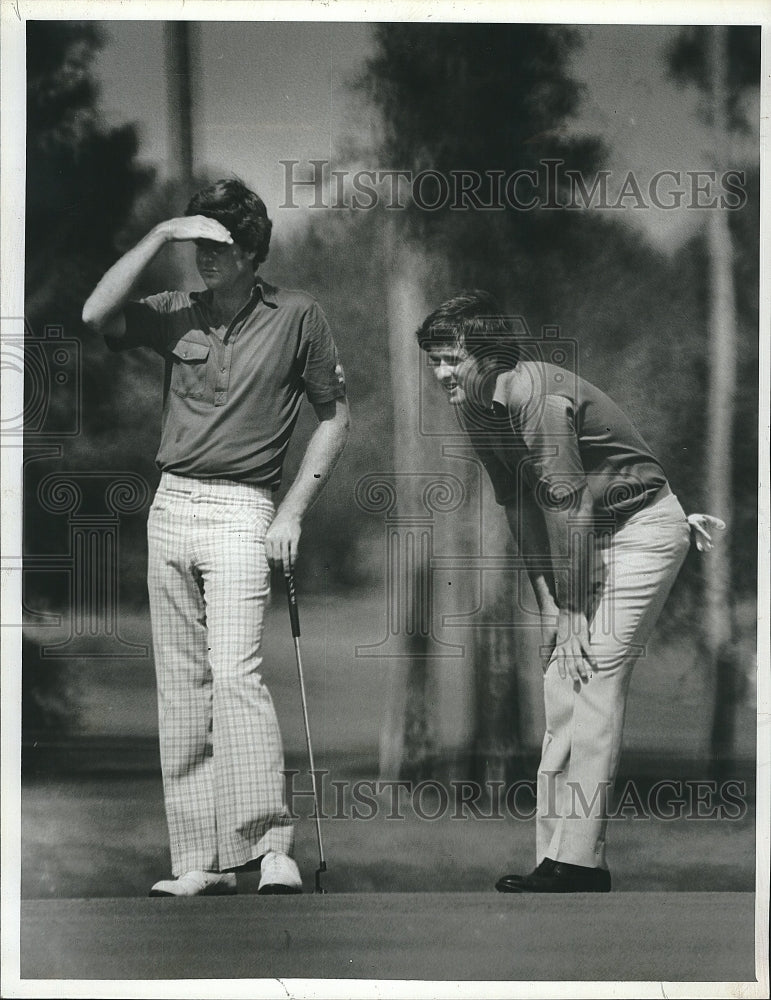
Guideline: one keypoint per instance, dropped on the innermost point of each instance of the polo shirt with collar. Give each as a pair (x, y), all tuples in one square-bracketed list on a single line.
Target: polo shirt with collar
[(232, 394)]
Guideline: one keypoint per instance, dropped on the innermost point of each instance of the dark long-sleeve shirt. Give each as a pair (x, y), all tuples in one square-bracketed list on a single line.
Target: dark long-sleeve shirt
[(552, 433)]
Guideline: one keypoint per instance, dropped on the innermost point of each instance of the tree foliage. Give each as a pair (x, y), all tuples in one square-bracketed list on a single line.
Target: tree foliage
[(474, 96), (688, 63), (82, 181), (501, 96), (485, 98), (82, 177)]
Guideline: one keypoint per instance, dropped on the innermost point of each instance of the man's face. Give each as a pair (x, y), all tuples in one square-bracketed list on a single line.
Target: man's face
[(223, 265), (454, 370)]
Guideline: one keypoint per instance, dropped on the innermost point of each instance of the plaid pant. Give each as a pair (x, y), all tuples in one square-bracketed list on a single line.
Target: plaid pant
[(221, 751)]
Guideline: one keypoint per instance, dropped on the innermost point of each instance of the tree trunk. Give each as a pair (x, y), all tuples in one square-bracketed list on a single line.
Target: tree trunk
[(407, 738), (484, 709), (179, 38), (720, 424), (179, 89), (496, 656)]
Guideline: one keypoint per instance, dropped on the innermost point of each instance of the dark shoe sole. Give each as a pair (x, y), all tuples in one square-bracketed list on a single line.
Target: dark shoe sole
[(552, 884), (524, 888), (506, 885)]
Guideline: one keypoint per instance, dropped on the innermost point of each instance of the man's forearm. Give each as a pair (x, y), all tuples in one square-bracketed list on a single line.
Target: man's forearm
[(324, 449), (113, 291), (570, 542), (103, 309), (529, 532)]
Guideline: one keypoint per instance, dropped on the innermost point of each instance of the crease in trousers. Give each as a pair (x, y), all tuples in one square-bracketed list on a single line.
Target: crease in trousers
[(635, 568)]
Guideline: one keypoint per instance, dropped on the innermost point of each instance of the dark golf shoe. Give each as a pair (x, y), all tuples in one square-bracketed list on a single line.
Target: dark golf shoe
[(557, 876)]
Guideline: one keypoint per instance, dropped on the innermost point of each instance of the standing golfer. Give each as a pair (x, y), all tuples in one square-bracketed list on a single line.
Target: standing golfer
[(238, 358), (603, 538)]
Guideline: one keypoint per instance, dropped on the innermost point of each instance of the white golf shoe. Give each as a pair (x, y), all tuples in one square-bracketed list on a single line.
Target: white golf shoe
[(279, 875), (197, 884)]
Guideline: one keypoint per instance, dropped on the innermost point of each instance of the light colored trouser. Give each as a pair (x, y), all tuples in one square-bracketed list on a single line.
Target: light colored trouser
[(221, 752), (637, 565)]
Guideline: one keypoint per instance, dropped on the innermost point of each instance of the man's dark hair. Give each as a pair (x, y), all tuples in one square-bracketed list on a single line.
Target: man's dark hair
[(240, 210), (473, 320)]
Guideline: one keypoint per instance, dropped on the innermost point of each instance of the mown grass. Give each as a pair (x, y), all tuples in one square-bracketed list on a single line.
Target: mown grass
[(102, 831), (106, 836)]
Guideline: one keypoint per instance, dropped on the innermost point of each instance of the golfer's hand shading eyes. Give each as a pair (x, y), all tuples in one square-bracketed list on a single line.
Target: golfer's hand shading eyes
[(196, 227), (282, 541)]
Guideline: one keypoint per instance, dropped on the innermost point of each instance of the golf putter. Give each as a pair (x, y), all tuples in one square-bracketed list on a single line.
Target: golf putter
[(294, 618)]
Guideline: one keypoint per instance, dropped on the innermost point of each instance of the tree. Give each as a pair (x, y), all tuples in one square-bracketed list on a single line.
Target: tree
[(82, 178), (491, 98), (723, 63), (482, 99), (82, 181)]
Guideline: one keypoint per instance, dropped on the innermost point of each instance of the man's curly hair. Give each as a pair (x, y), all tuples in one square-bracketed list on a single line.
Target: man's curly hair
[(240, 210)]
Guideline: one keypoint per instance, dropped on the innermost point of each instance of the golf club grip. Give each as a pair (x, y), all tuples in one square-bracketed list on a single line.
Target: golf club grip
[(294, 615)]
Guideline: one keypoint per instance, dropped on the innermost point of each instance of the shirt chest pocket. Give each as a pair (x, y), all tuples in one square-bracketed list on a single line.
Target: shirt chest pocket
[(189, 363)]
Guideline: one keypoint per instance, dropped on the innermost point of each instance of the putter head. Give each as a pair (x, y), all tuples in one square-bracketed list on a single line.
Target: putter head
[(319, 888)]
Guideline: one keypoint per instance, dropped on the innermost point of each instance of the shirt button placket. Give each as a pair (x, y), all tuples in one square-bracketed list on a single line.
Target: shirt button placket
[(221, 389)]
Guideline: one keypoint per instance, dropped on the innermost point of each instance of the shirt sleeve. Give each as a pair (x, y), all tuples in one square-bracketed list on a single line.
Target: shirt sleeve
[(146, 324), (503, 481), (554, 469), (320, 367)]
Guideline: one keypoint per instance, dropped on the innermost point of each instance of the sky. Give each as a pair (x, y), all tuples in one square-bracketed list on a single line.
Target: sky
[(263, 93), (266, 92)]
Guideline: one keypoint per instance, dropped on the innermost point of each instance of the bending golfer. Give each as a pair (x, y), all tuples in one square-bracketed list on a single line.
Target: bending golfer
[(603, 538), (238, 358)]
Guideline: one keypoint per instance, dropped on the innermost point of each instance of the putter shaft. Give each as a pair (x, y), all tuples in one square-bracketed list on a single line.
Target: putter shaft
[(294, 618)]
